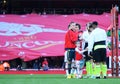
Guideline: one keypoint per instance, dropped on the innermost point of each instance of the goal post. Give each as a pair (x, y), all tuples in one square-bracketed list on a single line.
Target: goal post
[(114, 41)]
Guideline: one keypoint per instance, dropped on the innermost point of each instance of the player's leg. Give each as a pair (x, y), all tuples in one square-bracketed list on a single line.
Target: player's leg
[(66, 63), (88, 68), (103, 63), (92, 73), (69, 62), (73, 69), (77, 68), (97, 58), (73, 66), (82, 62)]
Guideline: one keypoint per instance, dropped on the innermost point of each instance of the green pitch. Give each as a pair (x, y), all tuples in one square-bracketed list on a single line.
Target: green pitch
[(52, 79)]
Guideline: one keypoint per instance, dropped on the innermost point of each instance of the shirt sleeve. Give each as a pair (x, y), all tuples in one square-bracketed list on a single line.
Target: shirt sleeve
[(90, 43)]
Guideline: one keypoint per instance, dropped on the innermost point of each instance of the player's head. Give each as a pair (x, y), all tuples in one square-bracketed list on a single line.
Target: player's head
[(71, 26), (94, 24), (91, 28), (77, 27), (88, 26), (77, 43)]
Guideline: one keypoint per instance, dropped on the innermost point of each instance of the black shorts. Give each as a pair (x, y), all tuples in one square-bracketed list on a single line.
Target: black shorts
[(99, 55), (87, 58), (70, 55)]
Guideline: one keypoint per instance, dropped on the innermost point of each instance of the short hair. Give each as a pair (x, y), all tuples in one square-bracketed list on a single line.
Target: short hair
[(95, 23), (70, 24), (78, 25), (89, 25)]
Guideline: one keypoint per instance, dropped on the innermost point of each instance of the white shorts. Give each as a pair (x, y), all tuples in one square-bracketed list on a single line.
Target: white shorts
[(80, 63), (65, 56)]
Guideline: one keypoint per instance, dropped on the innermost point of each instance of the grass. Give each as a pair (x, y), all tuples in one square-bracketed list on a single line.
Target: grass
[(52, 79)]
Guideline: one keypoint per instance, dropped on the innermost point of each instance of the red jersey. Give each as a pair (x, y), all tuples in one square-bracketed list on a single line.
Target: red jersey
[(70, 39), (78, 56)]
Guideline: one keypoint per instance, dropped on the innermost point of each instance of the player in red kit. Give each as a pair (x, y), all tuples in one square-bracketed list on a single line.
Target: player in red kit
[(70, 38)]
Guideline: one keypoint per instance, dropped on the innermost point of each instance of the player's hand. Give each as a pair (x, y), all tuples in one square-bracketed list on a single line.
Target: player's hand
[(86, 49), (90, 56)]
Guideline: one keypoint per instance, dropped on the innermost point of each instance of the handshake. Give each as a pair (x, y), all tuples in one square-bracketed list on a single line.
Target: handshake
[(80, 51)]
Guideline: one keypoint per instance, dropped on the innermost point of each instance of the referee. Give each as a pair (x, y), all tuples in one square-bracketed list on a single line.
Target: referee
[(97, 45)]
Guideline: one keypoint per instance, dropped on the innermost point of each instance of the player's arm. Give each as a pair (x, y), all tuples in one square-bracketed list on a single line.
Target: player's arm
[(80, 52), (90, 43)]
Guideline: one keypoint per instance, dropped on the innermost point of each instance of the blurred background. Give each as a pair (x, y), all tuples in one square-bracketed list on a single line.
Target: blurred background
[(56, 6)]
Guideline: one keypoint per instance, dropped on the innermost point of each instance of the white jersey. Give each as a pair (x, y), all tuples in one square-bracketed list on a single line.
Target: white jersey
[(85, 37), (96, 35)]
